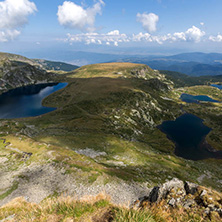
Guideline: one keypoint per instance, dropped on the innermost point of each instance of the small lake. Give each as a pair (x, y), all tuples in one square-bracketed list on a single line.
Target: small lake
[(196, 99), (27, 101), (188, 133), (217, 86)]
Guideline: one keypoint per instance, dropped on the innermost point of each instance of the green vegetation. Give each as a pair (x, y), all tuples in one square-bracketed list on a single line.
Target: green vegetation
[(95, 209), (114, 70), (104, 130), (182, 80), (117, 116), (9, 191)]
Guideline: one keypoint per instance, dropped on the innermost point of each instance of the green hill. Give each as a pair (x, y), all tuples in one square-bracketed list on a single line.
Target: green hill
[(104, 137)]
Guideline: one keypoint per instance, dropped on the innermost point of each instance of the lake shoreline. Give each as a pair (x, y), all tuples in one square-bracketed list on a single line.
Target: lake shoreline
[(203, 146), (23, 102)]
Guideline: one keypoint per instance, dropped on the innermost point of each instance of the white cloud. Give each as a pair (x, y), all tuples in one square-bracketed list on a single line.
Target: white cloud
[(217, 38), (115, 32), (115, 38), (13, 15), (149, 21), (7, 35), (116, 44), (110, 38), (194, 34), (75, 16), (179, 36), (160, 39), (202, 23)]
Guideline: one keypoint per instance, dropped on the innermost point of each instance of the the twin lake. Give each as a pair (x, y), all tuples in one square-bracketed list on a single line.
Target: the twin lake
[(187, 132)]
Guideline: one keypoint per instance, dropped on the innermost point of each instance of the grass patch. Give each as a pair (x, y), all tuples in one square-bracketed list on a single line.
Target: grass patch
[(9, 191), (130, 215), (97, 209)]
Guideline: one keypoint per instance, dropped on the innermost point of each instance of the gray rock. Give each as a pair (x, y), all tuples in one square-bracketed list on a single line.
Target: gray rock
[(155, 194), (203, 193), (161, 192), (172, 202), (191, 188), (212, 207), (207, 210), (188, 203)]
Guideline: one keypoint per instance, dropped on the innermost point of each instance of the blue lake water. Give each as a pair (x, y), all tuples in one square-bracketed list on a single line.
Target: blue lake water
[(217, 86), (196, 99), (188, 133), (27, 101)]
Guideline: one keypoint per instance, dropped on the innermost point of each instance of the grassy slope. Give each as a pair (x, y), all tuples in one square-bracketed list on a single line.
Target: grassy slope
[(95, 209), (113, 113), (86, 119)]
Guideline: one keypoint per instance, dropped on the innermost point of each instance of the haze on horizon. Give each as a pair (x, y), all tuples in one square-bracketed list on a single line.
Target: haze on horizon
[(34, 28)]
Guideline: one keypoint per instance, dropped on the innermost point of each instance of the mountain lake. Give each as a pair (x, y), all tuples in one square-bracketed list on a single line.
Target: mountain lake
[(27, 101), (196, 99), (188, 133), (217, 86)]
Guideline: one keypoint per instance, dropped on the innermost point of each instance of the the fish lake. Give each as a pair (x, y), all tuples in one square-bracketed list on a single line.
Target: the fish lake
[(27, 101), (196, 99)]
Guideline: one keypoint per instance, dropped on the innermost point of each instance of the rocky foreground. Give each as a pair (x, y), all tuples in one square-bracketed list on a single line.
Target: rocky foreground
[(185, 195), (174, 200)]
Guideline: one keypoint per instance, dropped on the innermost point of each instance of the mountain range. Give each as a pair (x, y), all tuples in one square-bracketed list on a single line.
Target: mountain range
[(193, 64)]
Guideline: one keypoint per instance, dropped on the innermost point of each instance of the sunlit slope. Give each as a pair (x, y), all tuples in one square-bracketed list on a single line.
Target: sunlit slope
[(116, 70), (102, 135)]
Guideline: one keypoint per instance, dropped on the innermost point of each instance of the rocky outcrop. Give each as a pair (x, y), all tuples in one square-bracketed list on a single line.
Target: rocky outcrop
[(17, 74), (189, 196), (156, 84)]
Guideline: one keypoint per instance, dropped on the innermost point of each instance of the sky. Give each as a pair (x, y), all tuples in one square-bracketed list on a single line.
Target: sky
[(41, 27)]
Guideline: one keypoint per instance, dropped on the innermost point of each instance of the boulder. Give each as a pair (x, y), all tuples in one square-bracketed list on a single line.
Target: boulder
[(191, 188), (161, 192)]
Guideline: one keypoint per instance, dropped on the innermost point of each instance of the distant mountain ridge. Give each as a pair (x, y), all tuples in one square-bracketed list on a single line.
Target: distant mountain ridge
[(193, 64), (41, 63), (56, 66), (208, 58)]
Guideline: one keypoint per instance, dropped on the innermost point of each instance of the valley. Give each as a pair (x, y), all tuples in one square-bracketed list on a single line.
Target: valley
[(103, 136)]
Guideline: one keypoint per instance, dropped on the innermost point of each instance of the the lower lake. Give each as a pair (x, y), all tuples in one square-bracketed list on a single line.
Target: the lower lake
[(217, 86), (195, 99), (188, 133), (27, 101)]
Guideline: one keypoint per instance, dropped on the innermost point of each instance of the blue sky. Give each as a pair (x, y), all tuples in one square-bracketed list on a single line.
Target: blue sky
[(111, 26)]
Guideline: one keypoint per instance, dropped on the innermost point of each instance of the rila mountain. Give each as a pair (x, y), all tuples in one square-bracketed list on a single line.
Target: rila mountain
[(111, 131)]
